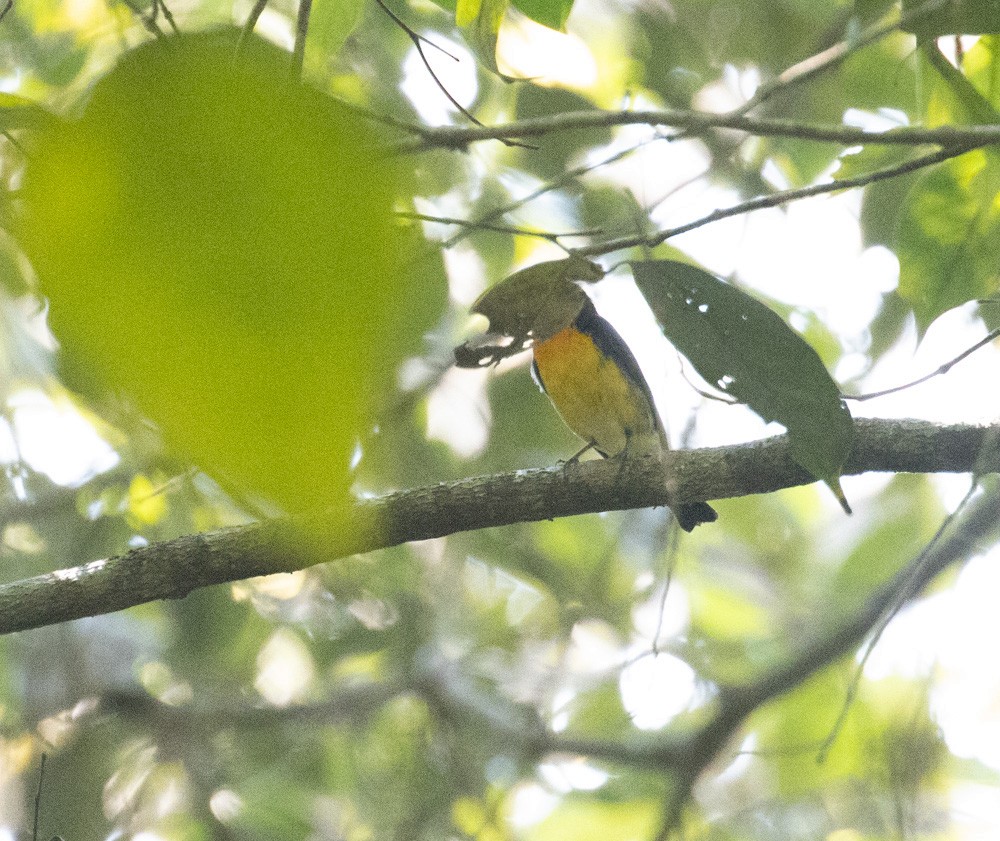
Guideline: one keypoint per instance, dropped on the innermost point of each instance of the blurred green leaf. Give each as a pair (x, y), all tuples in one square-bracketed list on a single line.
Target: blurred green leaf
[(910, 512), (242, 291), (586, 820), (675, 62), (555, 153), (742, 347), (480, 21), (949, 224), (13, 277), (871, 10), (18, 112), (330, 24), (550, 13), (883, 202), (970, 17), (599, 712)]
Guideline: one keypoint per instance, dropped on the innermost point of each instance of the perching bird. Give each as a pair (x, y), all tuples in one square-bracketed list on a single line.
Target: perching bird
[(596, 385)]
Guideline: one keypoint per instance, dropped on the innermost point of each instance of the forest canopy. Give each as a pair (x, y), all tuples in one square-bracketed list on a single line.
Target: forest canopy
[(295, 548)]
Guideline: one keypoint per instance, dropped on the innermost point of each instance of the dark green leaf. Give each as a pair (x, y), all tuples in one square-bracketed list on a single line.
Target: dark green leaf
[(742, 347)]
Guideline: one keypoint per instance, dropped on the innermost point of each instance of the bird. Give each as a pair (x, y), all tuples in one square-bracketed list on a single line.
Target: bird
[(595, 384)]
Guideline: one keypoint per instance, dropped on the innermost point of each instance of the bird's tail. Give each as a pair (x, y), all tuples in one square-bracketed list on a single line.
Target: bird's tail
[(693, 514)]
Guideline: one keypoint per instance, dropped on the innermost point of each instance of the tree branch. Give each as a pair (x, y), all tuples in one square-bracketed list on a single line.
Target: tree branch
[(774, 200), (174, 568), (460, 137), (832, 56)]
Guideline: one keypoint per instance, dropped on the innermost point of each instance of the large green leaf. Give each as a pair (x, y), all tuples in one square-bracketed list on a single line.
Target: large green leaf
[(742, 347), (216, 241)]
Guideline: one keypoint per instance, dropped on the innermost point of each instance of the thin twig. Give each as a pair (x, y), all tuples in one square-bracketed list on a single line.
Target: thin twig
[(250, 23), (418, 42), (473, 225), (944, 369), (38, 798), (6, 8), (832, 56), (904, 594), (978, 525), (167, 14), (554, 184), (775, 200), (148, 21), (460, 137), (301, 32)]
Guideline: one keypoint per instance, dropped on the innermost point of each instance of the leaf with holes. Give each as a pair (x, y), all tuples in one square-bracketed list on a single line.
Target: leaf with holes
[(744, 348)]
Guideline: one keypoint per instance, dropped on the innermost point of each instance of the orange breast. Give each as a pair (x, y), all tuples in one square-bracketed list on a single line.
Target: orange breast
[(591, 392)]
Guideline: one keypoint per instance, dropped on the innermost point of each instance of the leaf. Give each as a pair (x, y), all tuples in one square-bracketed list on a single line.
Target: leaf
[(18, 112), (550, 13), (949, 225), (480, 21), (883, 201), (593, 820), (466, 11), (970, 17), (330, 24), (217, 243), (533, 303), (559, 152), (747, 351)]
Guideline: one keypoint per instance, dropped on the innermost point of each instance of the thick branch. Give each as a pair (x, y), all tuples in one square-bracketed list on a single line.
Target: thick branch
[(174, 568)]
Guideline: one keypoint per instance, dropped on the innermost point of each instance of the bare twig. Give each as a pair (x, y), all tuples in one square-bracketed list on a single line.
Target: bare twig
[(903, 595), (167, 14), (38, 798), (473, 225), (979, 525), (560, 181), (460, 137), (832, 56), (301, 33), (148, 21), (774, 200), (250, 23), (944, 369), (418, 42)]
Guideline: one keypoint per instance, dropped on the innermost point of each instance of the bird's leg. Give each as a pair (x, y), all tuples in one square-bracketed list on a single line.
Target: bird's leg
[(573, 459), (624, 458)]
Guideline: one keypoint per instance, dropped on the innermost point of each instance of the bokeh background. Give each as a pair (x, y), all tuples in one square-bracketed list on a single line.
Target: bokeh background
[(381, 696)]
